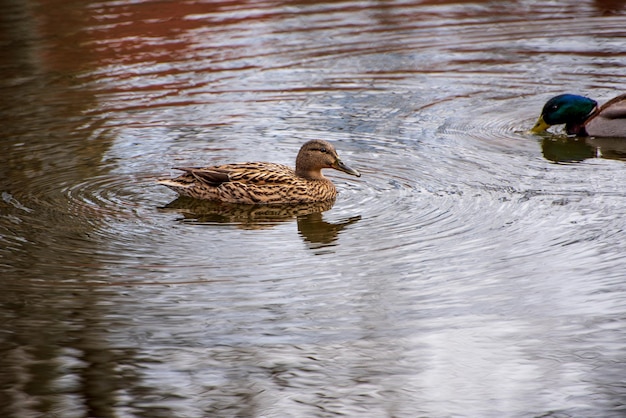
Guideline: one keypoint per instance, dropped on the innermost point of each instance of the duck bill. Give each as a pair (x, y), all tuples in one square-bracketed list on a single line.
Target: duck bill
[(339, 165), (540, 126)]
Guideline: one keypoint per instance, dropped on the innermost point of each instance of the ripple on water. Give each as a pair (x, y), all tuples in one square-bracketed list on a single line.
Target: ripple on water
[(446, 143), (105, 196)]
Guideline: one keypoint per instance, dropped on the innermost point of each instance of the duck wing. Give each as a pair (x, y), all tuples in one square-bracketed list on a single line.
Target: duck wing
[(261, 174), (212, 176), (614, 108), (249, 173), (610, 120)]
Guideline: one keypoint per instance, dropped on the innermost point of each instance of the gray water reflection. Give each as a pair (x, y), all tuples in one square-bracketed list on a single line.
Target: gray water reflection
[(465, 274)]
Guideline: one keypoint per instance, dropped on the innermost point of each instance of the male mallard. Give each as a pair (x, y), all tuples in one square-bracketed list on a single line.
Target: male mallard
[(265, 183), (582, 116)]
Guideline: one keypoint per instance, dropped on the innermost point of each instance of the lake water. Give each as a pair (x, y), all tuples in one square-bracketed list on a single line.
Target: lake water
[(474, 270)]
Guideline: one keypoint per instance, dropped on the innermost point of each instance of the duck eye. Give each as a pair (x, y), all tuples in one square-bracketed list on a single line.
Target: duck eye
[(323, 150)]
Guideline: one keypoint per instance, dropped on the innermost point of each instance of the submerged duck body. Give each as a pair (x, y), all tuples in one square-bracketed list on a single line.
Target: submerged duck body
[(582, 116), (265, 183)]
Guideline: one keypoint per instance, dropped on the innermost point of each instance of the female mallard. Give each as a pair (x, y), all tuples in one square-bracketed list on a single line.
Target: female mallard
[(265, 183), (582, 116)]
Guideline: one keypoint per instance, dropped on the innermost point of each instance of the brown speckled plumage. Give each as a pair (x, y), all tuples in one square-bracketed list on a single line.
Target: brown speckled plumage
[(265, 183)]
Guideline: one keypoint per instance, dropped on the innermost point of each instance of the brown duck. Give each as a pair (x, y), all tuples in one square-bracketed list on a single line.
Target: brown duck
[(265, 183)]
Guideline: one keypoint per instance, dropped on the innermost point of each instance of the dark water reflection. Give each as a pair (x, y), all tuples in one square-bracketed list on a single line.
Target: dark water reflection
[(465, 274), (563, 149), (311, 224)]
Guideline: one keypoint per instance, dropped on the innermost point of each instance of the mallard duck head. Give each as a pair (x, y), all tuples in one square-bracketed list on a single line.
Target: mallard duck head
[(568, 109), (316, 155)]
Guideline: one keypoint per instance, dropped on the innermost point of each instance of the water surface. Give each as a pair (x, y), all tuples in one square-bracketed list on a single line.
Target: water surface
[(473, 270)]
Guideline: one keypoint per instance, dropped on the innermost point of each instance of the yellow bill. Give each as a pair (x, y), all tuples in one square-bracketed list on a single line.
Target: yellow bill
[(540, 126)]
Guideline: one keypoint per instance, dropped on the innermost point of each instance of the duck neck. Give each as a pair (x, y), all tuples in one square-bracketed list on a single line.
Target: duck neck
[(310, 174), (578, 127)]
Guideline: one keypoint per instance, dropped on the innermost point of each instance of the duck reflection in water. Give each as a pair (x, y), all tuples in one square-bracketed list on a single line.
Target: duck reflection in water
[(564, 149), (311, 224)]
